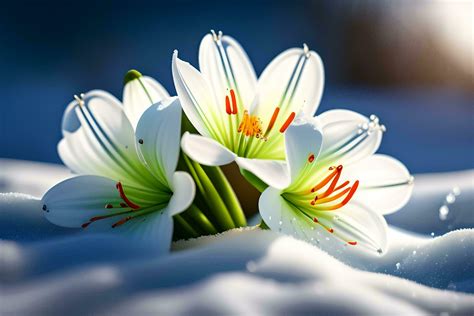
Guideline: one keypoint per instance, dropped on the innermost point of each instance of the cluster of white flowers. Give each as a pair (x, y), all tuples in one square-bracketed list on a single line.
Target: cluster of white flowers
[(317, 174)]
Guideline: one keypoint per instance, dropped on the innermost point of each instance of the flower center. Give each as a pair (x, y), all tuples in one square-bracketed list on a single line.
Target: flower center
[(324, 197), (251, 126), (129, 210)]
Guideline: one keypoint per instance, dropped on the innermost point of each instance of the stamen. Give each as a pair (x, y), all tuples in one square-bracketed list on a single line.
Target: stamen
[(80, 99), (325, 181), (124, 197), (234, 101), (108, 205), (311, 158), (272, 120), (227, 105), (329, 229), (353, 243), (287, 122), (122, 221)]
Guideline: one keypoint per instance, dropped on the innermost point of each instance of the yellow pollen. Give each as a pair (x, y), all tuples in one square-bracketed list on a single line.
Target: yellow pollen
[(251, 125)]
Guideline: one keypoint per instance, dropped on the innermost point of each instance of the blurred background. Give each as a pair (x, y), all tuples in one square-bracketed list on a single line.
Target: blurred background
[(411, 63)]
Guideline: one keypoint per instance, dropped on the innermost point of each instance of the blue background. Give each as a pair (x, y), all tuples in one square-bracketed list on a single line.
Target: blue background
[(52, 50)]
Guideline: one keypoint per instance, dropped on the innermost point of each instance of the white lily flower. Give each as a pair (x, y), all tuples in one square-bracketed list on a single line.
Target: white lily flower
[(240, 119), (339, 187), (128, 180)]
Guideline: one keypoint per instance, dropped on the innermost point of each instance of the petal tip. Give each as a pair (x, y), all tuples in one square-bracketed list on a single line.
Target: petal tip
[(132, 74)]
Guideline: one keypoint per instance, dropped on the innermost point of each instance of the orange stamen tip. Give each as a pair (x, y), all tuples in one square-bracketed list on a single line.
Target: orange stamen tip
[(287, 122), (122, 221), (315, 220), (86, 224), (331, 230), (339, 167), (311, 158), (353, 243), (125, 198), (313, 202), (227, 105), (234, 101)]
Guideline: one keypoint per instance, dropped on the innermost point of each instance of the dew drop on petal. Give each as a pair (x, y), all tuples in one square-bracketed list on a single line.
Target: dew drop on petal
[(397, 265), (251, 266), (414, 252), (443, 212), (450, 198), (456, 191), (432, 234), (379, 251), (269, 218), (280, 223)]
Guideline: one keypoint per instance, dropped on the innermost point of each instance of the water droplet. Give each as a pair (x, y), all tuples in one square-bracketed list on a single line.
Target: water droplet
[(450, 198), (414, 252), (456, 191), (280, 223), (432, 234), (379, 251), (251, 266), (443, 212), (397, 265), (269, 218), (365, 126)]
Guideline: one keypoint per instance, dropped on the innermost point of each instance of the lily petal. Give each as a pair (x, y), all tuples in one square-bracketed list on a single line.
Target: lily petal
[(157, 137), (293, 81), (303, 141), (75, 201), (354, 224), (226, 65), (99, 139), (348, 136), (206, 150), (139, 93), (196, 98), (183, 193), (272, 172), (385, 183)]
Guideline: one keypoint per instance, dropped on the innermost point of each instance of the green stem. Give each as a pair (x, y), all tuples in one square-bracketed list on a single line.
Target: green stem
[(228, 195), (263, 225), (186, 228), (206, 188), (254, 180), (199, 218)]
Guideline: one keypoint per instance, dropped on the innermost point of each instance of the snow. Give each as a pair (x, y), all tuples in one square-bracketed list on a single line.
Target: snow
[(46, 269)]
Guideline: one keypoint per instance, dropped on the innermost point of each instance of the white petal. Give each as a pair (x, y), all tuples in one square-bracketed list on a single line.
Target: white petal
[(354, 223), (196, 97), (139, 94), (348, 137), (302, 140), (73, 202), (272, 172), (205, 150), (293, 81), (226, 66), (357, 222), (158, 135), (99, 139), (385, 183), (183, 193)]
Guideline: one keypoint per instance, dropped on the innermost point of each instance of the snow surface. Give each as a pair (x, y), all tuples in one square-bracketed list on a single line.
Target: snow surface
[(45, 269)]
